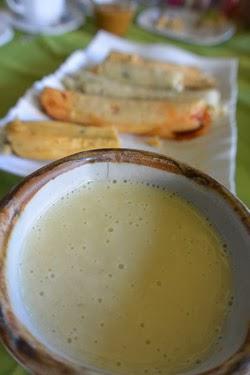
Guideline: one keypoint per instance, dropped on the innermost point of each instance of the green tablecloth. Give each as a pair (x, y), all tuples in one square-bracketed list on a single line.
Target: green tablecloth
[(27, 59)]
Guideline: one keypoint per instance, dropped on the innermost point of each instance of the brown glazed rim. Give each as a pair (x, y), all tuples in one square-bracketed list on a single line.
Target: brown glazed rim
[(20, 343)]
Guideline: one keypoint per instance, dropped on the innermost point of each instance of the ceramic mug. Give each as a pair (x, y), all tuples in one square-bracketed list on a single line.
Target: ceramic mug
[(39, 12), (21, 207)]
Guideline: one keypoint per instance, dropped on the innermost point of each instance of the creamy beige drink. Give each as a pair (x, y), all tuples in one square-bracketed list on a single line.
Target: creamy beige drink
[(127, 278)]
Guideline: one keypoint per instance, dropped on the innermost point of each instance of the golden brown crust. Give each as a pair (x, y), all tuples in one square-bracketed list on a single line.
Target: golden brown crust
[(51, 140), (148, 117), (193, 77), (201, 130), (56, 103)]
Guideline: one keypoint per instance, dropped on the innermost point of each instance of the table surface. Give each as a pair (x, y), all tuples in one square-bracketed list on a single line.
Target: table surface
[(27, 59)]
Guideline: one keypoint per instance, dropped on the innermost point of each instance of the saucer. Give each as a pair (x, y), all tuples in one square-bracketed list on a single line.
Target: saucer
[(6, 32), (189, 33), (70, 21)]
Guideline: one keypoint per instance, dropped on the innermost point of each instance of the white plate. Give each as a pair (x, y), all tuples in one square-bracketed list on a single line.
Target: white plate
[(213, 153), (189, 34), (71, 20)]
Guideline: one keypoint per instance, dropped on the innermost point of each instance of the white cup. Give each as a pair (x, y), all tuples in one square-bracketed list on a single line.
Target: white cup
[(39, 12)]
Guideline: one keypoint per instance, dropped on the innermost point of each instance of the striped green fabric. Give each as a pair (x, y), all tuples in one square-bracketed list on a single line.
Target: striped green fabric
[(27, 59)]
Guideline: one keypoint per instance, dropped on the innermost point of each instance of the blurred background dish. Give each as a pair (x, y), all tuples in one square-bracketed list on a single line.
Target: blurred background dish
[(70, 20), (189, 25), (42, 12)]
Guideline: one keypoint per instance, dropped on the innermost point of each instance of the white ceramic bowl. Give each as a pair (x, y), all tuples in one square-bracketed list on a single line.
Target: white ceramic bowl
[(23, 205)]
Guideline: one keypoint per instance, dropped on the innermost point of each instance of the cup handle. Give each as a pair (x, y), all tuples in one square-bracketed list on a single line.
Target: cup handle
[(16, 6)]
